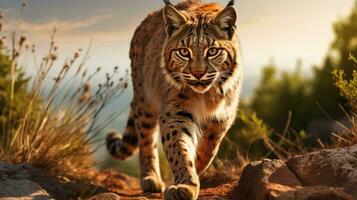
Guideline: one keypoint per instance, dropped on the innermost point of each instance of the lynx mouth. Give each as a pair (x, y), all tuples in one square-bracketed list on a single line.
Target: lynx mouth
[(200, 86), (199, 83)]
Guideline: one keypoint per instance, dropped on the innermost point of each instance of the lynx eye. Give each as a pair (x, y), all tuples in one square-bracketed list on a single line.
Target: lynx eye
[(184, 52), (212, 52)]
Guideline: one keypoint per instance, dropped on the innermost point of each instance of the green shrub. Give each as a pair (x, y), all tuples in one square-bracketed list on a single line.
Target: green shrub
[(347, 87)]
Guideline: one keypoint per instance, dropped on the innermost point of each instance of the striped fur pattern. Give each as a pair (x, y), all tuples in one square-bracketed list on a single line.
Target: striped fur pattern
[(187, 78)]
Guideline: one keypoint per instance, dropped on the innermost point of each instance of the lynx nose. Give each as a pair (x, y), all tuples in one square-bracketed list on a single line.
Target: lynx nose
[(198, 74)]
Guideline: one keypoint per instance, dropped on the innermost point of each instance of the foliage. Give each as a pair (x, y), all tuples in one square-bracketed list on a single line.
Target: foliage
[(310, 99), (347, 135), (11, 104), (250, 138), (247, 131), (347, 88), (60, 134), (276, 97)]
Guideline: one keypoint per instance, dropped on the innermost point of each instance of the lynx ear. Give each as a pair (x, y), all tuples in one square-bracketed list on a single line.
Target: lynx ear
[(173, 19), (226, 20)]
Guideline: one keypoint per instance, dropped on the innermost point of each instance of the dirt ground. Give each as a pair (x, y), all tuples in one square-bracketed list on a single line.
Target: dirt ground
[(216, 186)]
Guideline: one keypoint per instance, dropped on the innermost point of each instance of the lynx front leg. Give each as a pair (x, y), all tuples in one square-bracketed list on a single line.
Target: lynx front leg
[(146, 128), (179, 138), (213, 134)]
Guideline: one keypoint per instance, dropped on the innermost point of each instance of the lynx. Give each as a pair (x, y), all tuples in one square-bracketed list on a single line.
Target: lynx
[(187, 77)]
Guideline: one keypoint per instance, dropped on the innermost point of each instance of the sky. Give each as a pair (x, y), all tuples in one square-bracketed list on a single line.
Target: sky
[(276, 30)]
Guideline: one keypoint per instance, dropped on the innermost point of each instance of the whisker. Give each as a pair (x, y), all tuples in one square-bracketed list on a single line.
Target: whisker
[(211, 75)]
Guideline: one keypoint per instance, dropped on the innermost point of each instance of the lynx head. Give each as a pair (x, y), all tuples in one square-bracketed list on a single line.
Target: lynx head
[(201, 46)]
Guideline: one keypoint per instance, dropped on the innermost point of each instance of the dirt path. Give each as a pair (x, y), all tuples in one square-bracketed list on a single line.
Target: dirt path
[(128, 188), (222, 191)]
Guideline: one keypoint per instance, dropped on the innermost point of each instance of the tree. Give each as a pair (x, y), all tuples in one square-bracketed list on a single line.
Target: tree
[(15, 105), (308, 99), (323, 90), (276, 96)]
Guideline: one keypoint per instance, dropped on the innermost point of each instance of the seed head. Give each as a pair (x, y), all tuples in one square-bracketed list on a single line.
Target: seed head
[(53, 57), (16, 54), (86, 87), (33, 48), (76, 55), (22, 40), (85, 97)]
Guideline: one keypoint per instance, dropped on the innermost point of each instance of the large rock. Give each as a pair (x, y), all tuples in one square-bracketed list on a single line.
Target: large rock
[(21, 189), (313, 193), (332, 168), (325, 174), (266, 178), (14, 183)]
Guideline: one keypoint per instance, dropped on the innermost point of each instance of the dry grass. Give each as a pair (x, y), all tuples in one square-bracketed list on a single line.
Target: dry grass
[(347, 135), (223, 171), (61, 134)]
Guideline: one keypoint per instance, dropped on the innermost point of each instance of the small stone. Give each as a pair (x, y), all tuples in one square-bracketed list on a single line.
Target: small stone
[(105, 196)]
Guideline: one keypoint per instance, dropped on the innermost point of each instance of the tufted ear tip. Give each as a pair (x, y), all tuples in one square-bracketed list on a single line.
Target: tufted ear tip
[(167, 2), (231, 3)]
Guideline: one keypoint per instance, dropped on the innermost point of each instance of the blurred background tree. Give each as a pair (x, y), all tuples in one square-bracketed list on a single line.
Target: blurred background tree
[(20, 94), (276, 96), (344, 44), (292, 91), (264, 122)]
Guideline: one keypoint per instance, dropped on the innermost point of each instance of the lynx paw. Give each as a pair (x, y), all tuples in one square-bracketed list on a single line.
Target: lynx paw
[(181, 192), (152, 184)]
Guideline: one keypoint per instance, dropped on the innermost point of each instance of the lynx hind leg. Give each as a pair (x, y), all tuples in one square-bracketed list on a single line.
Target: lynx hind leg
[(179, 140), (146, 126)]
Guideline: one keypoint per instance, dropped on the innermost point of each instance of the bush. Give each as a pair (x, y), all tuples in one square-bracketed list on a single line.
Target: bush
[(59, 134), (347, 88), (347, 134)]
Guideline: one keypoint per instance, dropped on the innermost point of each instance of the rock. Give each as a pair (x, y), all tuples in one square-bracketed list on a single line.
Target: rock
[(266, 178), (36, 182), (332, 168), (313, 193), (325, 174), (21, 190), (105, 196)]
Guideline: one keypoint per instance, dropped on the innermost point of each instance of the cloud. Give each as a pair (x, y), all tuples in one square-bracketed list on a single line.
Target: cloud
[(71, 31), (65, 25)]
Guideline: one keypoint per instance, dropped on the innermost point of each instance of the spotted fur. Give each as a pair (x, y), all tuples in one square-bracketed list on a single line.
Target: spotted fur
[(187, 78)]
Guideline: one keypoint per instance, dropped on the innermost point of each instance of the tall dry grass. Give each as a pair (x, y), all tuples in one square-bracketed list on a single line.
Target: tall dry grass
[(59, 134)]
